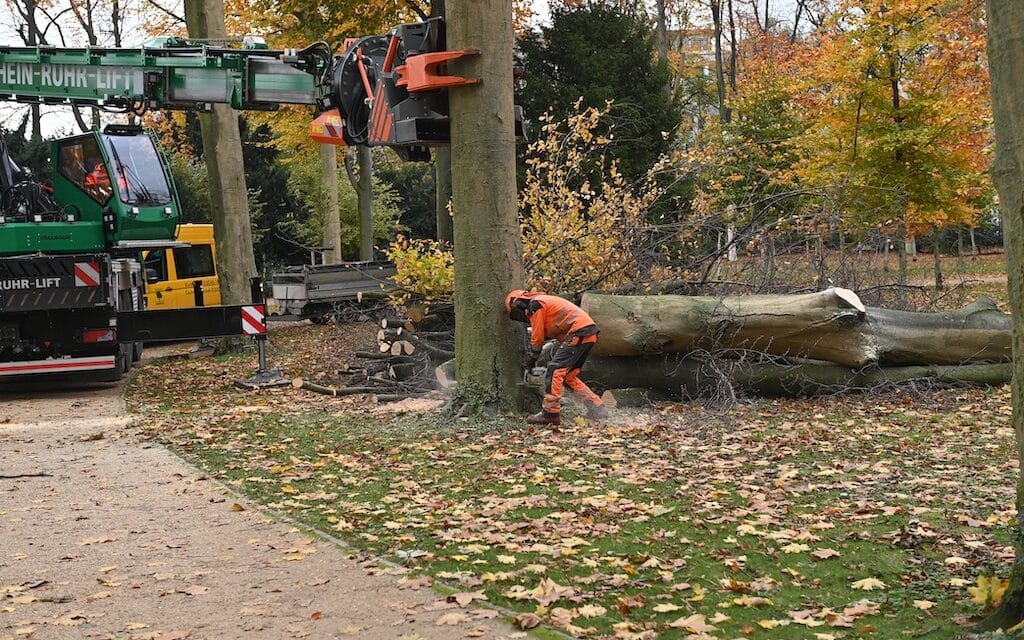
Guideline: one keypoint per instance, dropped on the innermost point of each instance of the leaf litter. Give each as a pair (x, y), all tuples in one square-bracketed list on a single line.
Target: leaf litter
[(833, 514)]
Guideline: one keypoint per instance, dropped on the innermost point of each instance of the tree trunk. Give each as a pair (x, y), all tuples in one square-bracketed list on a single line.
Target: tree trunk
[(332, 222), (716, 17), (662, 30), (960, 249), (222, 151), (443, 182), (901, 273), (488, 251), (1005, 57), (686, 378), (885, 254), (832, 325), (974, 244), (937, 255), (365, 194), (730, 240)]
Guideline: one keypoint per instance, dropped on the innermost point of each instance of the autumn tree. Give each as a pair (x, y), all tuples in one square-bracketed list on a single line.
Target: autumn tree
[(1006, 55), (894, 90)]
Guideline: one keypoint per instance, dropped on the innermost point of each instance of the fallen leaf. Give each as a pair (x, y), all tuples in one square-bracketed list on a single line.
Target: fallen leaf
[(527, 621), (466, 597), (694, 624), (868, 584), (451, 618), (591, 610)]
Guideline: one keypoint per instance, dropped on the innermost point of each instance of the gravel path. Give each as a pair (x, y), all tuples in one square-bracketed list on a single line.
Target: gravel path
[(105, 535)]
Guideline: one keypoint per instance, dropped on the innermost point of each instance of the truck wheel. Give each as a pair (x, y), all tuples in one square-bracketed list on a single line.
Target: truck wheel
[(122, 363), (136, 351)]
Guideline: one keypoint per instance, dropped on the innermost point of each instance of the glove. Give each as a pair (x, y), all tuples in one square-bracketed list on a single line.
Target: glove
[(529, 362)]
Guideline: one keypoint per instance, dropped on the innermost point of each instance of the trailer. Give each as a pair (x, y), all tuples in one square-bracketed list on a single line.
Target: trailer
[(338, 292)]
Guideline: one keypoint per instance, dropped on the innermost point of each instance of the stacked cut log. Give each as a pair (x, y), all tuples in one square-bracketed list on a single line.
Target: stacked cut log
[(400, 365), (790, 345)]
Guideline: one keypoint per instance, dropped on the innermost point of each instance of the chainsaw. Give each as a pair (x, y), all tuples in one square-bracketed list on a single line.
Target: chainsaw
[(535, 376)]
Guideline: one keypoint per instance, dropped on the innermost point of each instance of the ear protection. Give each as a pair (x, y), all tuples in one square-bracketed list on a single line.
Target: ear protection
[(517, 309)]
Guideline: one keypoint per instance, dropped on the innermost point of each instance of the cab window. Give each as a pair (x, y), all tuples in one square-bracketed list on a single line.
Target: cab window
[(156, 262), (194, 262), (82, 163)]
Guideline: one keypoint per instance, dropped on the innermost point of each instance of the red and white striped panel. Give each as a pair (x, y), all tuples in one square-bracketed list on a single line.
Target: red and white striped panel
[(66, 365), (328, 128), (87, 274), (253, 322)]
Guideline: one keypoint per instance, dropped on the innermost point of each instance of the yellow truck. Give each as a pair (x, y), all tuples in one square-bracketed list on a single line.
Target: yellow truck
[(185, 276)]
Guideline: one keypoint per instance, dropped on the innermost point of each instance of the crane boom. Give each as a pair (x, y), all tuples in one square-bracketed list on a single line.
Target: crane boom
[(167, 73)]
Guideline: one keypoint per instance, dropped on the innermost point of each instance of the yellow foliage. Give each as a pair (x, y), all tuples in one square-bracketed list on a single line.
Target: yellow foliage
[(988, 592), (425, 270), (581, 221)]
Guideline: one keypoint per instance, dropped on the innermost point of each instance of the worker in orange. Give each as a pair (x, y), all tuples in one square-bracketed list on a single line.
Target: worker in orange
[(551, 317)]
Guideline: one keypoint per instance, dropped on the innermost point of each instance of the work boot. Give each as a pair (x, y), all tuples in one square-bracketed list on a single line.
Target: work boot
[(597, 411), (543, 417)]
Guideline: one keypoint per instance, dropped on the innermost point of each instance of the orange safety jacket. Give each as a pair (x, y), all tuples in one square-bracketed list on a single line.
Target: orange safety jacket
[(554, 318)]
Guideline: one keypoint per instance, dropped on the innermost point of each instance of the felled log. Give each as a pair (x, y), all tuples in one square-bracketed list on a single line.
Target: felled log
[(832, 325), (682, 377)]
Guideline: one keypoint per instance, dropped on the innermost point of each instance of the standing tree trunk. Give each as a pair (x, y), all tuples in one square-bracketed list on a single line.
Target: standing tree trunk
[(365, 192), (959, 248), (1005, 57), (488, 250), (716, 17), (901, 277), (443, 183), (222, 150), (332, 222), (937, 254), (662, 27), (442, 170)]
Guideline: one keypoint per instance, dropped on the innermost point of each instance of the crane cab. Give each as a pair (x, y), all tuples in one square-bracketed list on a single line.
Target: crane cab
[(108, 189), (119, 178)]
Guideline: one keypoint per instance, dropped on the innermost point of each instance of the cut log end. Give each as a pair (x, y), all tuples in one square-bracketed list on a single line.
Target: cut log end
[(851, 299)]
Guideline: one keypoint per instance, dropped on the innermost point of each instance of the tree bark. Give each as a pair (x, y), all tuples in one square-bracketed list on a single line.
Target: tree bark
[(488, 251), (960, 249), (1005, 57), (222, 150), (680, 377), (832, 325), (365, 193), (662, 30), (937, 255), (443, 184), (716, 18), (332, 214)]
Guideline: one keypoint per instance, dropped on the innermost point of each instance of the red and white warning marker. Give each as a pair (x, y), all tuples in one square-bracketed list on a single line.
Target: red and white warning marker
[(253, 322), (87, 274)]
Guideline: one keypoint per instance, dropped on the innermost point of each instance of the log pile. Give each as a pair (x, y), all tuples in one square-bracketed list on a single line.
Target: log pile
[(400, 365), (790, 345)]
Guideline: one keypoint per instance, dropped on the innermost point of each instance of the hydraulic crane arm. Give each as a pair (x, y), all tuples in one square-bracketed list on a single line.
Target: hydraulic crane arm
[(168, 73), (389, 90)]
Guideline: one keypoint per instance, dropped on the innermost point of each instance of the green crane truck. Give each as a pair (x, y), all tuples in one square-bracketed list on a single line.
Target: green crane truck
[(71, 281)]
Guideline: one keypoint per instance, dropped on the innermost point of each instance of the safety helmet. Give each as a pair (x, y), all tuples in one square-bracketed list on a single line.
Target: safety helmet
[(511, 298)]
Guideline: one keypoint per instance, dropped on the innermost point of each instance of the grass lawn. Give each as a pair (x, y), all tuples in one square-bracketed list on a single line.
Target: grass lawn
[(864, 516)]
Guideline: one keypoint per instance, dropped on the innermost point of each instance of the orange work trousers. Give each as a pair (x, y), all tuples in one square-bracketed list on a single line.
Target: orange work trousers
[(564, 370)]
